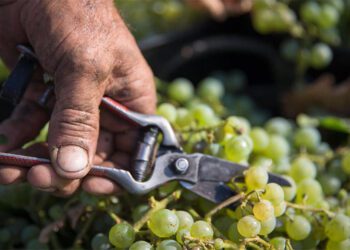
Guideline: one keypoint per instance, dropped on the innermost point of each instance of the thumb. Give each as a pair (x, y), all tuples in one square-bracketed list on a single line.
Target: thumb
[(74, 126)]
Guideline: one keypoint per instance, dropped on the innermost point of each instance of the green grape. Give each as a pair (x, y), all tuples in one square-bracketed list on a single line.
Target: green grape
[(237, 148), (338, 4), (121, 235), (279, 243), (248, 226), (307, 137), (5, 235), (330, 184), (181, 233), (168, 111), (35, 244), (267, 226), (29, 232), (262, 4), (338, 229), (185, 219), (289, 49), (139, 211), (211, 88), (219, 244), (279, 126), (309, 191), (335, 169), (321, 55), (183, 117), (298, 228), (263, 210), (328, 17), (274, 193), (56, 212), (180, 90), (169, 245), (233, 233), (202, 230), (345, 163), (334, 245), (285, 17), (256, 178), (281, 166), (277, 148), (262, 161), (203, 114), (302, 168), (289, 192), (141, 245), (100, 242), (310, 12), (260, 139), (163, 223), (264, 20), (280, 209), (237, 123)]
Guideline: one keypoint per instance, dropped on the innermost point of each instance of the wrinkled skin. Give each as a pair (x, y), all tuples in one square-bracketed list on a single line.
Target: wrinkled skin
[(87, 48)]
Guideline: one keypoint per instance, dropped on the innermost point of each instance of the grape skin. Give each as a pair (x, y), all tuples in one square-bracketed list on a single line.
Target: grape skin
[(256, 178), (338, 229), (302, 168), (345, 163), (122, 235), (274, 193), (169, 245), (267, 226), (201, 230), (185, 219), (181, 90), (164, 223), (298, 228), (341, 245), (263, 210), (309, 137), (141, 245), (260, 139), (248, 226)]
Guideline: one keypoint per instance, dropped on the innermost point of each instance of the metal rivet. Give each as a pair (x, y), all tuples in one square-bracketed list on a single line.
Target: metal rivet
[(181, 165)]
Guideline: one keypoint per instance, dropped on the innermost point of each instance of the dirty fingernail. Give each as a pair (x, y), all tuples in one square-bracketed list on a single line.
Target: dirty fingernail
[(72, 158)]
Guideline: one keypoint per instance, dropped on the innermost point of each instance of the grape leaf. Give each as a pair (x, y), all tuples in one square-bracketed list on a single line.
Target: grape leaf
[(335, 123)]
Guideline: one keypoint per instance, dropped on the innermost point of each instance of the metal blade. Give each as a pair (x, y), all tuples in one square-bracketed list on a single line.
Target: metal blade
[(213, 173)]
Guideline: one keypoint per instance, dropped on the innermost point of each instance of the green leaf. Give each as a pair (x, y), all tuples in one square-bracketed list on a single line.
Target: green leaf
[(335, 123)]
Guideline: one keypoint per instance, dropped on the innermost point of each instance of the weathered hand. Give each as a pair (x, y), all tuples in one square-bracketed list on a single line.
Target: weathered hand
[(89, 51)]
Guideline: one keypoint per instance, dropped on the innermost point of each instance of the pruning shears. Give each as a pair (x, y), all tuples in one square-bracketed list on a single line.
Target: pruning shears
[(155, 163)]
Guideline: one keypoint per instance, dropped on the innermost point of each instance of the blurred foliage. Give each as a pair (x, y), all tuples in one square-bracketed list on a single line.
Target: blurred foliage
[(3, 71)]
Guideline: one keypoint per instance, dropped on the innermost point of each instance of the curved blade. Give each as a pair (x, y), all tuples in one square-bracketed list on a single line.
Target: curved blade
[(213, 173)]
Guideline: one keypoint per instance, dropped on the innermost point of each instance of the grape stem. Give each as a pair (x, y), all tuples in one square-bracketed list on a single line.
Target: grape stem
[(312, 209), (256, 239), (156, 205), (222, 205), (207, 128)]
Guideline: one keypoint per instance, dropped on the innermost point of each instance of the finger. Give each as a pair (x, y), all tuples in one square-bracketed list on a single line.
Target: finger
[(101, 186), (15, 174), (74, 124), (44, 178)]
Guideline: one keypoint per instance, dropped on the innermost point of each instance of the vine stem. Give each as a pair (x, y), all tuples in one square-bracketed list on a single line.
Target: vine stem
[(222, 205), (307, 208), (256, 239), (85, 228), (156, 205)]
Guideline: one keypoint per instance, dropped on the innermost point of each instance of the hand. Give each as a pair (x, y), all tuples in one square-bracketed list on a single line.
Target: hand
[(89, 51)]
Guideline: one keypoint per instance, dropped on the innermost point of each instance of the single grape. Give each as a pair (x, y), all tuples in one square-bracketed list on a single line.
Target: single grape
[(169, 245), (180, 90), (279, 126), (267, 226), (310, 12), (289, 192), (185, 219), (264, 20), (183, 117), (338, 245), (237, 123), (237, 148), (302, 168), (260, 139), (280, 209), (202, 230), (338, 229), (345, 163), (248, 226), (181, 233), (309, 191), (263, 210), (328, 17), (279, 243), (256, 178), (330, 184), (168, 111), (100, 242), (121, 235), (211, 88), (321, 55), (218, 244), (277, 148), (203, 114), (163, 223), (141, 245), (298, 228), (274, 193), (307, 137)]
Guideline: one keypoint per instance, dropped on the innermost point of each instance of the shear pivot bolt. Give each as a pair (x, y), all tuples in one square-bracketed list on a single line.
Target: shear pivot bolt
[(181, 165)]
